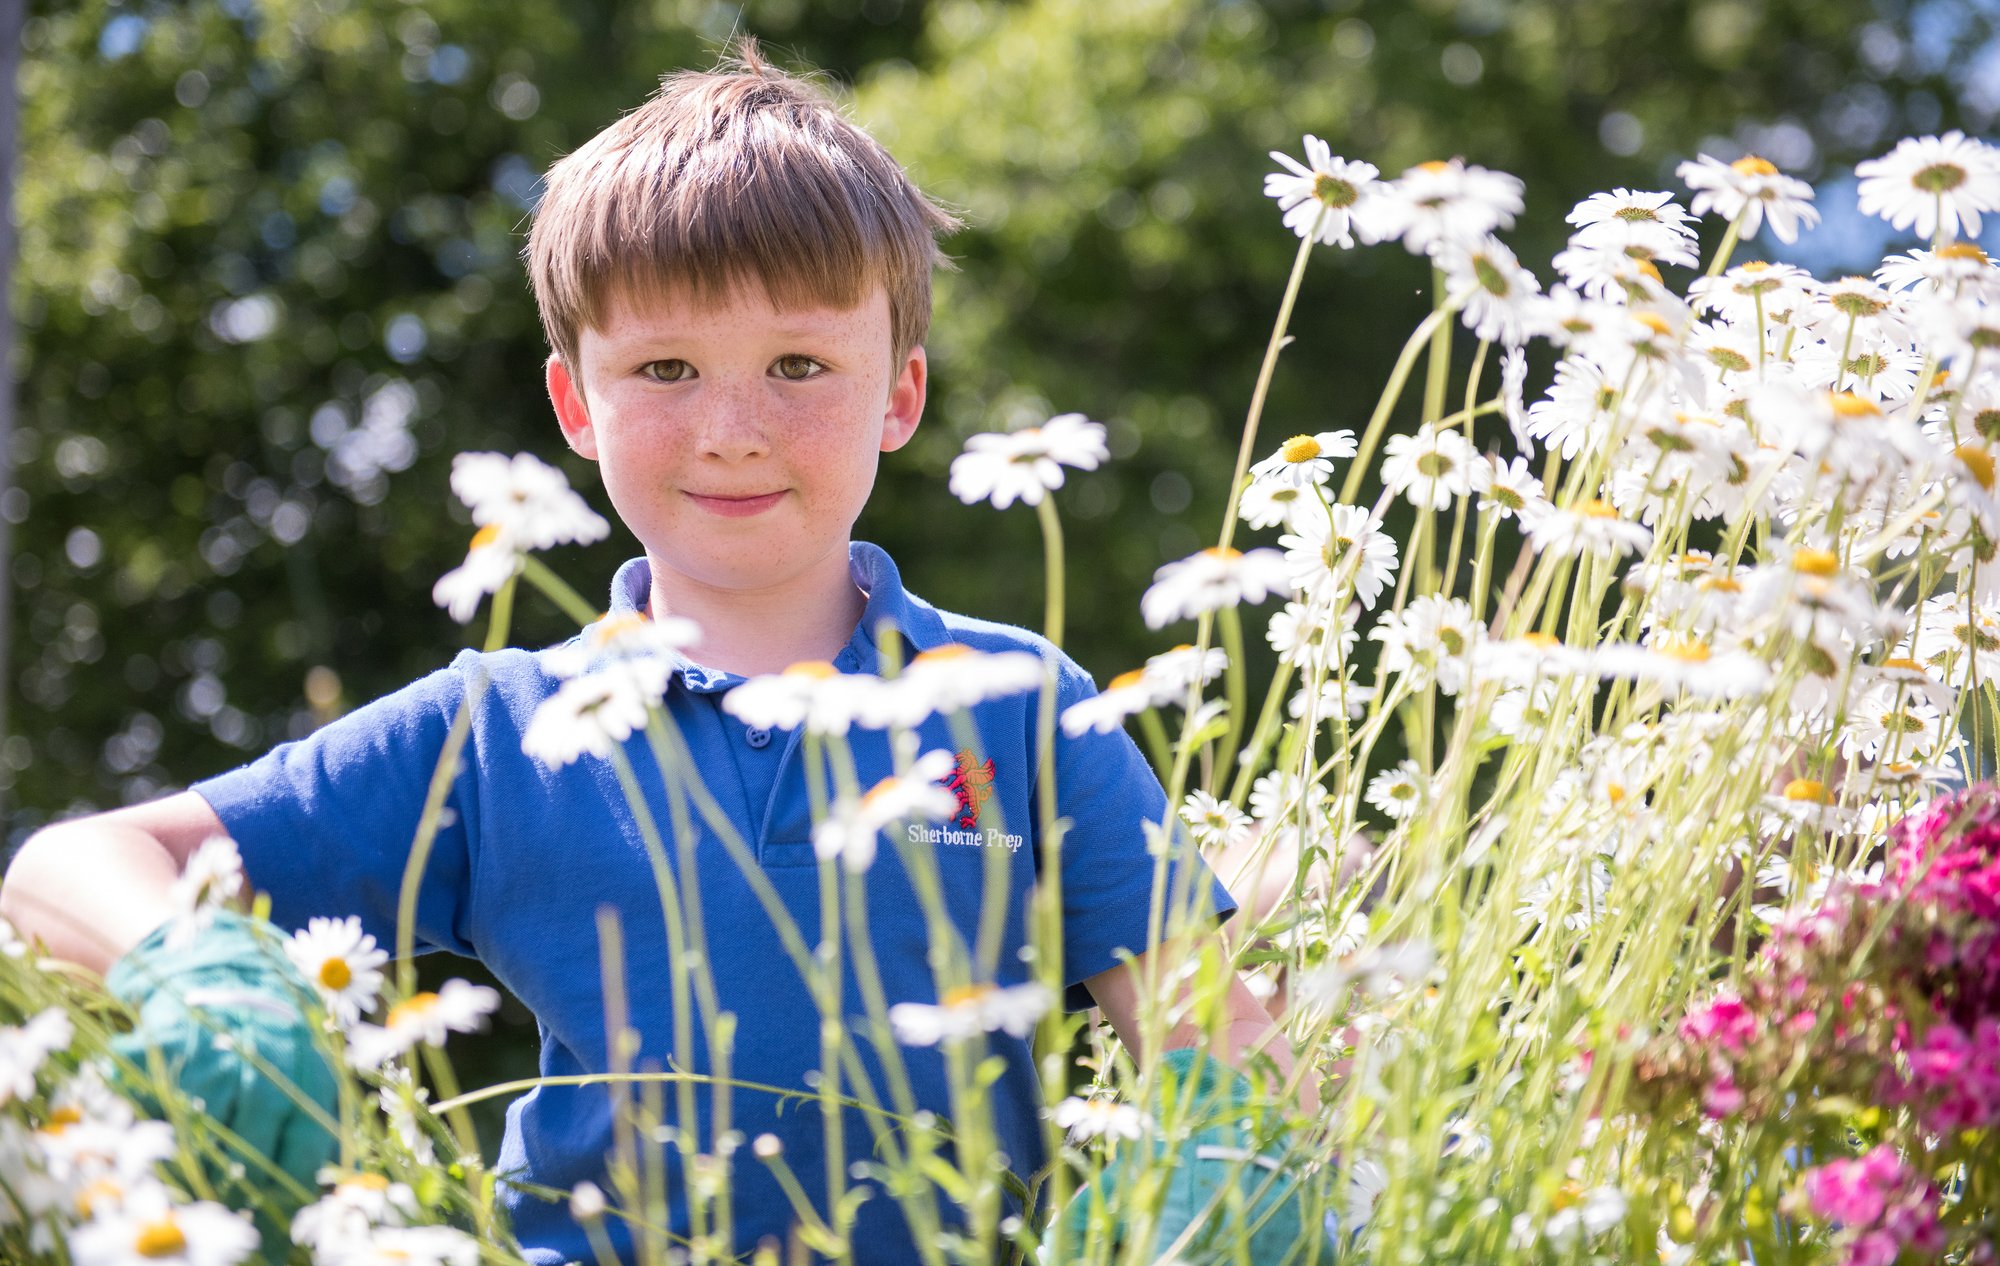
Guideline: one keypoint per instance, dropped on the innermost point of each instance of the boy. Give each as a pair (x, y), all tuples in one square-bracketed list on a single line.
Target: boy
[(736, 285)]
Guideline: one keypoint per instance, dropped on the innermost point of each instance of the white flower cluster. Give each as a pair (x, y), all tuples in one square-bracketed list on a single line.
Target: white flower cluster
[(520, 504), (83, 1172)]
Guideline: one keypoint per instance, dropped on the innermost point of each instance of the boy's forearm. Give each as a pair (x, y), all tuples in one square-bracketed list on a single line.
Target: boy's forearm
[(89, 890)]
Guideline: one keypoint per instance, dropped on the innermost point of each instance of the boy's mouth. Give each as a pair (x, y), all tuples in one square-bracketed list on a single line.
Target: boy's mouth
[(736, 507)]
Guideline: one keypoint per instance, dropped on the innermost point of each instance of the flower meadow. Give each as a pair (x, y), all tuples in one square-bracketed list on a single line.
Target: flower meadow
[(1611, 845)]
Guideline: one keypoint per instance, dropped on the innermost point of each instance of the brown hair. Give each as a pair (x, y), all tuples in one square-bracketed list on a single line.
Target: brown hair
[(726, 177)]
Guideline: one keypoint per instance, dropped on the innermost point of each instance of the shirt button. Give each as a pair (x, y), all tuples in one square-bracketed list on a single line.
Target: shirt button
[(758, 738)]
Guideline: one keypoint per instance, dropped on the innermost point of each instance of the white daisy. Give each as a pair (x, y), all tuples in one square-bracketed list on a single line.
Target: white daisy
[(1214, 823), (1577, 410), (1277, 795), (589, 716), (1302, 633), (851, 830), (1337, 696), (457, 1007), (527, 500), (1497, 294), (1437, 202), (1430, 468), (1002, 467), (343, 964), (490, 562), (1325, 554), (413, 1246), (813, 694), (24, 1047), (1126, 695), (1100, 1117), (1888, 723), (1305, 460), (1856, 307), (968, 1011), (1930, 181), (210, 880), (1210, 580), (621, 638), (343, 1217), (1326, 191), (1954, 268), (1513, 387), (1592, 526), (147, 1229), (1177, 671), (1738, 295), (90, 1134), (1512, 490), (1753, 188), (938, 682), (1397, 792), (1432, 638), (1266, 503)]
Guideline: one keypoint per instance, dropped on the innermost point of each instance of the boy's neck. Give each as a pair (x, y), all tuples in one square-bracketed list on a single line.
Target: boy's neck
[(753, 631)]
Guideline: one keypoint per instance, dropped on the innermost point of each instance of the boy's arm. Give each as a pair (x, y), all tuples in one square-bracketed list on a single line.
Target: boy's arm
[(1246, 1029), (92, 888)]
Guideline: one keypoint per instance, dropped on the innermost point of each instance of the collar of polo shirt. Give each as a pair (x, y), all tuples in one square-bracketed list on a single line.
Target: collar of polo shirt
[(874, 574)]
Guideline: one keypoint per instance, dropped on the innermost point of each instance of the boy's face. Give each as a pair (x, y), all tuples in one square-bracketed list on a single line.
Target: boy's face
[(739, 442)]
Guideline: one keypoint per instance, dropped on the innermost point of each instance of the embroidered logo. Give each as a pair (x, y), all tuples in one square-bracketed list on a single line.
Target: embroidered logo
[(973, 785)]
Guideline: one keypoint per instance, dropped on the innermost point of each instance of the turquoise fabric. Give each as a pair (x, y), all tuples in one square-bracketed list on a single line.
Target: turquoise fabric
[(1246, 1206), (231, 980)]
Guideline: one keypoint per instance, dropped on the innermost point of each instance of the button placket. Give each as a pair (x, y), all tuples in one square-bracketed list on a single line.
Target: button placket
[(757, 737)]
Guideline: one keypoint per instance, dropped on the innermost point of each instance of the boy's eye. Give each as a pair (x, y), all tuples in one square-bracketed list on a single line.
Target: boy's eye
[(797, 368), (667, 370)]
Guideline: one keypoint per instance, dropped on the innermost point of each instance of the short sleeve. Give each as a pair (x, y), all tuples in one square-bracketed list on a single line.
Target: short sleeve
[(1114, 805), (325, 824)]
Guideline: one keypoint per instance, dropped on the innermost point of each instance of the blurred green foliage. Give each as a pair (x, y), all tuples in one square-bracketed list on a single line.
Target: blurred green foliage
[(269, 283)]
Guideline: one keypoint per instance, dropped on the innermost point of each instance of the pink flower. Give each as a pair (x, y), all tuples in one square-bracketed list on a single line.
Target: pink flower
[(1855, 1192), (1724, 1020), (1722, 1098)]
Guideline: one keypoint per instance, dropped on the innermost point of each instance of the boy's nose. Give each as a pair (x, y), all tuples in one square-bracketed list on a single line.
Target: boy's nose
[(732, 428)]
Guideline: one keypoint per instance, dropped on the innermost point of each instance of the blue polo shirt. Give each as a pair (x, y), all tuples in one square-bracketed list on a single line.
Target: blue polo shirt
[(530, 855)]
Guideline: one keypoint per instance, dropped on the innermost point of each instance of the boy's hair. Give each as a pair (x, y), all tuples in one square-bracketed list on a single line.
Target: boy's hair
[(744, 174)]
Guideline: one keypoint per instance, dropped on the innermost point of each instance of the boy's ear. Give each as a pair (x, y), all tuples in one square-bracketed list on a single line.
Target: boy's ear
[(906, 401), (572, 414)]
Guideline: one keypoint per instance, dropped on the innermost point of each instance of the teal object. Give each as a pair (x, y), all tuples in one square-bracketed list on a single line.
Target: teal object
[(1250, 1206), (235, 975)]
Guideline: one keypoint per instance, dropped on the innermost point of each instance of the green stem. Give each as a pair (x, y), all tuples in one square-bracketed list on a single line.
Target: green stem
[(1249, 443), (1052, 568)]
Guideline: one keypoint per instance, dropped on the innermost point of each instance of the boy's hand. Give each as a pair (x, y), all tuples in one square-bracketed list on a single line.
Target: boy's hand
[(1216, 1183), (223, 1013)]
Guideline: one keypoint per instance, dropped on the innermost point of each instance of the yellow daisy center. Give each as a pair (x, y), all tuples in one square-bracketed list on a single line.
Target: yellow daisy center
[(335, 974), (811, 669), (1223, 554), (1434, 166), (964, 996), (1596, 509), (1614, 792), (1653, 320), (1652, 270), (1846, 404), (1802, 789), (1751, 165), (160, 1239), (1691, 651), (1719, 584), (416, 1007), (103, 1188), (1961, 250), (1300, 448), (1753, 266), (1122, 680), (61, 1119), (1815, 562), (613, 627), (1903, 665), (485, 536), (1978, 461), (1546, 641), (937, 654)]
